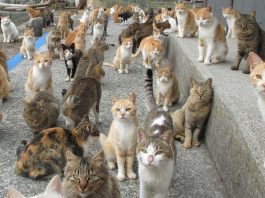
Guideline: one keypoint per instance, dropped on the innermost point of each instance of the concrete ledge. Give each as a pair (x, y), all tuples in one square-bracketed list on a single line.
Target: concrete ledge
[(235, 133)]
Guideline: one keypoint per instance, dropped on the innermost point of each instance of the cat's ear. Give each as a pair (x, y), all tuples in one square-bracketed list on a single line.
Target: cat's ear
[(192, 82), (237, 14), (76, 100), (141, 135), (209, 8), (72, 46), (253, 14), (99, 159), (13, 193), (167, 136), (55, 185), (114, 99), (253, 60), (64, 46), (70, 156), (92, 130), (132, 97), (209, 82)]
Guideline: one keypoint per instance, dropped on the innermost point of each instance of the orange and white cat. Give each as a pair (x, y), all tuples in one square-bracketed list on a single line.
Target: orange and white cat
[(80, 41), (230, 16), (122, 59), (257, 75), (63, 24), (212, 41), (27, 48), (186, 23), (39, 76), (120, 145)]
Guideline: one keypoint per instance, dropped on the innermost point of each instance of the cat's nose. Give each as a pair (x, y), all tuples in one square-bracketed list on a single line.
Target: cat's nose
[(83, 186), (150, 158)]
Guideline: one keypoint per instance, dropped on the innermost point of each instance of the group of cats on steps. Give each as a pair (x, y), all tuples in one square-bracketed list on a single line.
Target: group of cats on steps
[(66, 150)]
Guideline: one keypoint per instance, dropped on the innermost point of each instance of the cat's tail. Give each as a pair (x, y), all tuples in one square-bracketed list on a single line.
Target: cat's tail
[(137, 53), (102, 139), (149, 93)]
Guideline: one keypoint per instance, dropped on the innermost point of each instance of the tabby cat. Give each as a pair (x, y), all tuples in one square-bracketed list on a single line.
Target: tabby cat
[(212, 38), (167, 87), (250, 37), (156, 151), (121, 142), (88, 177), (45, 153), (9, 29), (230, 15), (27, 48), (53, 190), (54, 40), (190, 119), (41, 112), (186, 22), (257, 75)]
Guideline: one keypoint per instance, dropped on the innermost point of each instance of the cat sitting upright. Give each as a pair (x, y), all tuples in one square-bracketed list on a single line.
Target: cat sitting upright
[(230, 16), (9, 29), (27, 48)]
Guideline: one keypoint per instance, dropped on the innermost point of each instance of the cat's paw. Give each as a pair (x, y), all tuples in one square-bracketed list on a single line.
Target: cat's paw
[(165, 108), (170, 104), (207, 62), (72, 79), (120, 71), (200, 60), (111, 165), (8, 41), (29, 58), (126, 71), (196, 144), (131, 175), (246, 71), (234, 67), (67, 79), (25, 56), (121, 177), (187, 145), (4, 41)]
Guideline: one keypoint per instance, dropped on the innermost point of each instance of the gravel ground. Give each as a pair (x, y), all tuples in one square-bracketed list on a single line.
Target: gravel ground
[(195, 177)]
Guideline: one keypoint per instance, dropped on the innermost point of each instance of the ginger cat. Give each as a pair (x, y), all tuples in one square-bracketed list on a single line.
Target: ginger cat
[(27, 48), (33, 13), (186, 23), (230, 16), (121, 142), (212, 40), (257, 75), (167, 87), (122, 59), (80, 41), (39, 76), (63, 24)]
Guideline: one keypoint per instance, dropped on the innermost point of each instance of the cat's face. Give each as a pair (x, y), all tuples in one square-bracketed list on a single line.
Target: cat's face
[(98, 23), (158, 34), (180, 8), (154, 151), (228, 13), (204, 17), (245, 23), (55, 33), (43, 60), (157, 51), (86, 12), (80, 34), (164, 73), (123, 109), (5, 21), (68, 51), (201, 90), (128, 43), (29, 34), (85, 174)]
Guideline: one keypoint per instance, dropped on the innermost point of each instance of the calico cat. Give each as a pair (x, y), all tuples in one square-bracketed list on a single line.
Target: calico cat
[(122, 59), (212, 38), (172, 21), (80, 41), (54, 40), (98, 29), (156, 151), (88, 177), (63, 24), (257, 75), (186, 23), (125, 16), (27, 48), (230, 16), (33, 13), (45, 153), (41, 112), (82, 96), (250, 37), (9, 29), (71, 59), (167, 87), (190, 119), (121, 142), (39, 76), (53, 190)]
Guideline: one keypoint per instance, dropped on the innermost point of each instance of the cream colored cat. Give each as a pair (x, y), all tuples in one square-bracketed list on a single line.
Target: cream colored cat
[(122, 59), (212, 41), (167, 87), (257, 75), (80, 41), (230, 16), (121, 142), (39, 76), (27, 48)]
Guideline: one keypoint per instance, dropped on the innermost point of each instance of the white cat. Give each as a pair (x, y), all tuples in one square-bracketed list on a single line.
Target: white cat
[(9, 29), (98, 29), (173, 23), (85, 16), (53, 190)]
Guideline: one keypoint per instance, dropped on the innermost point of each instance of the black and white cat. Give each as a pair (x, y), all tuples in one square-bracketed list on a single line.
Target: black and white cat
[(71, 59)]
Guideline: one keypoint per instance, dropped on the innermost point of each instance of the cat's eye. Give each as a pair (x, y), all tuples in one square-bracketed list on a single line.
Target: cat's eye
[(158, 153), (117, 109), (258, 76), (128, 109), (93, 177), (144, 150)]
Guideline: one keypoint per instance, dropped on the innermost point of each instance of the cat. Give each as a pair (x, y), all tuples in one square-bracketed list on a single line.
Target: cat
[(63, 24), (82, 96), (186, 23), (156, 151), (54, 40), (27, 48), (88, 178), (45, 153), (39, 76), (53, 190), (173, 24), (121, 142), (98, 29), (33, 13), (250, 37), (122, 59), (96, 71), (9, 29), (85, 16), (230, 16), (125, 16), (167, 87), (212, 38), (257, 75), (152, 51), (190, 119), (71, 59), (41, 112), (3, 61), (80, 41)]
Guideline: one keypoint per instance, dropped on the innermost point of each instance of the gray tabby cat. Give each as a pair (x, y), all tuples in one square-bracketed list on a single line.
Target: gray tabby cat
[(54, 43), (190, 119), (41, 112), (156, 151), (250, 37), (88, 178)]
